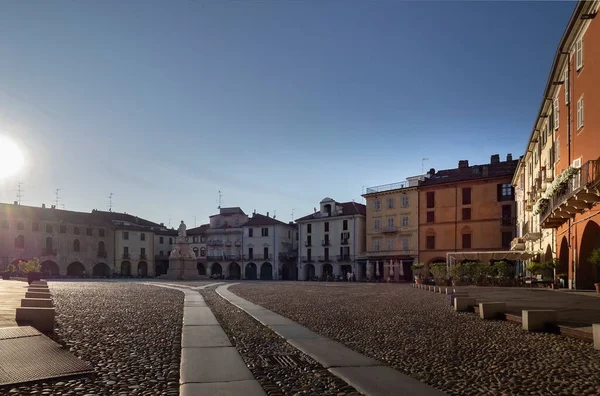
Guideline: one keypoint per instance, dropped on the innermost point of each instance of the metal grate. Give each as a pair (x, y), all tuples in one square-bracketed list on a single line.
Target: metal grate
[(28, 355), (284, 360)]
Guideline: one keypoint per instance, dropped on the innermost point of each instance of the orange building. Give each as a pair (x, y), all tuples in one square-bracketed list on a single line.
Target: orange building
[(571, 101), (468, 209)]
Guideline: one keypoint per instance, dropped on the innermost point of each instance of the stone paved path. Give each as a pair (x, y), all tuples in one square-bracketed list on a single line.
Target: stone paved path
[(11, 293)]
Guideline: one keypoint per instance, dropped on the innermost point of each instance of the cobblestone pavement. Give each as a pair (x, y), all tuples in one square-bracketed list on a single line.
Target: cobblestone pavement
[(130, 333), (259, 346), (417, 333)]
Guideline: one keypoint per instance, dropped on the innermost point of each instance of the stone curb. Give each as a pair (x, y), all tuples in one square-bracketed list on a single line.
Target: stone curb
[(366, 375)]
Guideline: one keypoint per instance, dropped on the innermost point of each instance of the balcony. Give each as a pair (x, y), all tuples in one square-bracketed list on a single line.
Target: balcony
[(344, 241), (578, 193), (389, 229), (325, 242), (126, 256), (143, 256), (215, 257), (214, 242), (323, 258), (102, 254), (517, 244), (288, 256), (528, 234), (344, 258), (49, 252), (386, 187), (307, 259)]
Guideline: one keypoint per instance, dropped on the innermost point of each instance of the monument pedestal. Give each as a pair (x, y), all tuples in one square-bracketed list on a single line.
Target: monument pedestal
[(182, 263)]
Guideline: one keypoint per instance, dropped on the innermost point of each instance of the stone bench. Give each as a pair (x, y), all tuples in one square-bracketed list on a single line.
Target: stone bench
[(464, 303), (452, 296), (38, 289), (39, 283), (40, 318), (37, 295), (596, 335), (539, 319), (491, 310), (36, 302)]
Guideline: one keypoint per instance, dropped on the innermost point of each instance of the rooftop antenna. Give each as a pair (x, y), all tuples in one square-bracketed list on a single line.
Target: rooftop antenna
[(110, 202), (220, 199), (169, 221), (274, 214), (362, 199), (293, 214), (423, 164), (57, 197), (19, 192), (63, 206), (194, 221)]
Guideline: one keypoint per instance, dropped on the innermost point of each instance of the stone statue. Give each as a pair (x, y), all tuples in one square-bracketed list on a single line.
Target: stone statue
[(181, 230)]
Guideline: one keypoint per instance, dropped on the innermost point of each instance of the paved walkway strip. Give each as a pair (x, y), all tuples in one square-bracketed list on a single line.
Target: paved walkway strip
[(366, 375), (210, 365)]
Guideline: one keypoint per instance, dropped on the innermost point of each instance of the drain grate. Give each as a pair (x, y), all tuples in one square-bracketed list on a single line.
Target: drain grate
[(284, 360)]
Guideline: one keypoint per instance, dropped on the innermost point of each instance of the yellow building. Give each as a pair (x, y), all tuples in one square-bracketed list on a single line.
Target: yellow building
[(393, 229)]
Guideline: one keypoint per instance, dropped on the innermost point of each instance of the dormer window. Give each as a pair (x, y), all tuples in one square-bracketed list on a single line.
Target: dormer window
[(327, 208)]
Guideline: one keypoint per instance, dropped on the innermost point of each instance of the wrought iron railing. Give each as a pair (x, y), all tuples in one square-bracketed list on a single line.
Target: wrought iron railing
[(387, 187)]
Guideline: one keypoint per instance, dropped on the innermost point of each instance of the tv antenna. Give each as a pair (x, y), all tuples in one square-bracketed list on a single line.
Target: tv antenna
[(423, 164), (110, 202), (274, 214), (169, 221), (56, 197), (293, 214), (19, 192), (220, 199), (194, 221)]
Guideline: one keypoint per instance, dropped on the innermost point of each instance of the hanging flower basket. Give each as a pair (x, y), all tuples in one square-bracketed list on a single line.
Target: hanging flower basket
[(540, 206)]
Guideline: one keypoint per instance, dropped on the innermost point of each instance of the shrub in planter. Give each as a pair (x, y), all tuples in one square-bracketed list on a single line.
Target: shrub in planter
[(440, 273), (536, 268), (8, 271), (32, 268)]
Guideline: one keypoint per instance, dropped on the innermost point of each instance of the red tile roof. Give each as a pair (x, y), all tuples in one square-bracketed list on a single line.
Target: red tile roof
[(198, 230), (259, 220), (496, 170), (348, 209)]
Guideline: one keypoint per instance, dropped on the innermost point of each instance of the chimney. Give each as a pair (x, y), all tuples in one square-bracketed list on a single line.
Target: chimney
[(431, 172), (509, 157), (495, 159), (15, 202), (162, 224), (463, 164), (485, 171), (267, 214), (53, 206), (43, 206)]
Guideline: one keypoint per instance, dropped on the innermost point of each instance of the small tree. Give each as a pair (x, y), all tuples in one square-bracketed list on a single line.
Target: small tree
[(504, 269), (417, 269), (10, 268), (536, 268), (32, 265)]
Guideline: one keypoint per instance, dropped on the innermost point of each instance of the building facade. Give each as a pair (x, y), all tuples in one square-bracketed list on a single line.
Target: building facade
[(392, 228), (332, 240), (197, 239), (564, 201), (224, 243), (467, 209)]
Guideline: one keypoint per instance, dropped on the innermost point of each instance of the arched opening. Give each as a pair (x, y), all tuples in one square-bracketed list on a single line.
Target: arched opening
[(288, 271), (201, 268), (125, 268), (20, 242), (345, 269), (76, 245), (548, 254), (250, 271), (563, 262), (587, 273), (101, 270), (309, 271), (142, 269), (216, 269), (547, 259), (266, 271), (327, 271), (49, 245), (202, 252), (49, 268), (76, 269), (235, 272), (195, 250)]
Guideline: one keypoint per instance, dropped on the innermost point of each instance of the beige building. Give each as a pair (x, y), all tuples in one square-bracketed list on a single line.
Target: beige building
[(224, 243), (197, 238), (392, 230), (331, 240)]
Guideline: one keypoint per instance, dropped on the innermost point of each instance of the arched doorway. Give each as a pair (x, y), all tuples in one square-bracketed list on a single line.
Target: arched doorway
[(587, 273), (289, 272), (563, 257), (125, 268), (101, 270), (201, 268), (75, 269), (327, 271), (250, 271), (49, 267), (266, 271), (345, 269), (216, 269), (142, 270), (309, 271), (548, 273), (235, 272)]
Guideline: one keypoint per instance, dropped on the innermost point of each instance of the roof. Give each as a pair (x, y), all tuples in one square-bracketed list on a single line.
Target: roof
[(53, 215), (124, 217), (348, 209), (198, 230), (229, 211), (474, 172), (261, 220)]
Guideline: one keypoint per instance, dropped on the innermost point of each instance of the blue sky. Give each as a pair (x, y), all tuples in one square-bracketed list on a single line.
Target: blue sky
[(275, 103)]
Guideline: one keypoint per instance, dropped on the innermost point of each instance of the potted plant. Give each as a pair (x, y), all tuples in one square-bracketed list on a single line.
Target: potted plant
[(417, 269), (8, 271), (504, 271), (440, 273), (594, 258), (535, 268), (32, 268)]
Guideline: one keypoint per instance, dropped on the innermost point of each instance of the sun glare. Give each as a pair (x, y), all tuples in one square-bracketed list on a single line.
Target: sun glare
[(11, 157)]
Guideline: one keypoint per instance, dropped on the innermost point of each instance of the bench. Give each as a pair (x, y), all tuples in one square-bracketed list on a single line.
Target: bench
[(532, 282)]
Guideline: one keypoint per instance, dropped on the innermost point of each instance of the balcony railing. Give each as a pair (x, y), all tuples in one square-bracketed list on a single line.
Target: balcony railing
[(126, 255), (344, 257), (258, 257), (344, 241), (325, 242), (143, 256), (288, 256), (387, 187), (323, 258), (389, 229), (574, 197), (102, 254), (49, 252), (517, 244)]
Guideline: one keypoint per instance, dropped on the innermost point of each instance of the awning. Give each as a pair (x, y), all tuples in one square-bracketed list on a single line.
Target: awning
[(452, 257)]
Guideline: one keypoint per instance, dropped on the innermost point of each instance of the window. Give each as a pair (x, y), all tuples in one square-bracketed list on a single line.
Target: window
[(390, 244), (326, 241), (326, 226), (430, 216), (101, 232), (76, 230), (377, 224), (506, 238), (391, 203), (63, 229), (125, 251), (161, 240), (566, 85), (195, 249), (126, 235), (20, 242), (377, 205), (308, 228), (289, 234), (35, 226), (168, 253), (390, 222), (345, 225), (326, 252), (507, 219), (376, 245), (431, 242), (466, 213), (162, 252), (143, 252), (555, 113), (237, 222), (76, 245), (264, 231), (431, 199), (579, 54), (580, 113), (250, 232), (218, 222), (20, 225), (405, 244), (309, 254), (202, 252), (308, 240), (49, 244), (266, 253), (142, 236), (404, 221), (405, 201), (557, 149), (506, 192), (101, 249), (251, 253), (170, 240), (466, 196), (466, 241)]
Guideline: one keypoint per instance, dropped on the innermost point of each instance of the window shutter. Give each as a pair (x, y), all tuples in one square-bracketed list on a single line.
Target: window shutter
[(499, 192)]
